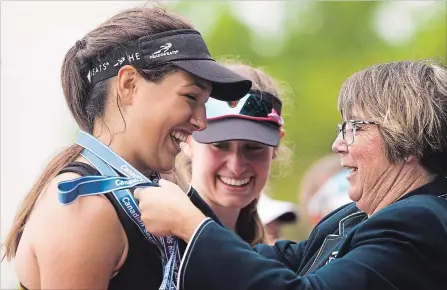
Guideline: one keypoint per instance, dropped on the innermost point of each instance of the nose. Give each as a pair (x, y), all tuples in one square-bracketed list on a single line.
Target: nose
[(198, 120), (339, 145), (236, 162)]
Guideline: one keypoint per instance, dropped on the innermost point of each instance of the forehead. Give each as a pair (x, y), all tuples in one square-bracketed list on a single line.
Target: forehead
[(193, 80)]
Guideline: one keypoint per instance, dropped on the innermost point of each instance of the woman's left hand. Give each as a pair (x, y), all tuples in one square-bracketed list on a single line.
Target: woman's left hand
[(167, 210)]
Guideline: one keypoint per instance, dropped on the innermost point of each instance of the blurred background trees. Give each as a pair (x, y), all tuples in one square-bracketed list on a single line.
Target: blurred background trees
[(311, 47)]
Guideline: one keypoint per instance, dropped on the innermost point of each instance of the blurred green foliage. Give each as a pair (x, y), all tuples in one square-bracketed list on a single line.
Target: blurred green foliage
[(314, 49)]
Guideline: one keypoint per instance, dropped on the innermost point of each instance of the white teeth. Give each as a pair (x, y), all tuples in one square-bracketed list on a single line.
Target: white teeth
[(234, 182), (179, 135)]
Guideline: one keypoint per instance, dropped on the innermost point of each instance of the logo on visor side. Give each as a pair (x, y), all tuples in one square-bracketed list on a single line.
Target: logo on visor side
[(233, 104), (163, 51), (164, 48), (238, 103)]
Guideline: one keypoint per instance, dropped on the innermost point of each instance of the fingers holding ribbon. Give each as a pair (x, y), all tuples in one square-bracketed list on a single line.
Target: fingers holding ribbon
[(167, 210), (136, 193), (175, 177)]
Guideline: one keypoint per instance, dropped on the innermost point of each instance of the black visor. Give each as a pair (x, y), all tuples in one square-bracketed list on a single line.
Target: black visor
[(184, 48)]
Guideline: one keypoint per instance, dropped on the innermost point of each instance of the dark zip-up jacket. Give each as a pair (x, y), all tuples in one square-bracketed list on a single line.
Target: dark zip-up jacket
[(403, 246)]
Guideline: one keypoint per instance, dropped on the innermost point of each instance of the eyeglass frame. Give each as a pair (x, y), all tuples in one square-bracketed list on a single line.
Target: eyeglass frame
[(341, 128)]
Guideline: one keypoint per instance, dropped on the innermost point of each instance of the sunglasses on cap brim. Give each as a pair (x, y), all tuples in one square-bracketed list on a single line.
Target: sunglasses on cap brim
[(255, 105)]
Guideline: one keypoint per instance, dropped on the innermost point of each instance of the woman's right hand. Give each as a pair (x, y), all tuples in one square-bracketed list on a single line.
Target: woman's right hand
[(167, 210)]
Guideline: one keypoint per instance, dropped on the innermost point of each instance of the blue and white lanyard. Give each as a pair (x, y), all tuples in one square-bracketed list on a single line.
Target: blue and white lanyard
[(110, 165)]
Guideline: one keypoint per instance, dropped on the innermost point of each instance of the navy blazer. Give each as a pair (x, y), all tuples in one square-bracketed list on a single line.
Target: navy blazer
[(402, 246)]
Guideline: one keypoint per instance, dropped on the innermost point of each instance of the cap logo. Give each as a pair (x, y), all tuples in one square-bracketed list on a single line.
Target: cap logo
[(164, 48), (163, 51), (233, 104)]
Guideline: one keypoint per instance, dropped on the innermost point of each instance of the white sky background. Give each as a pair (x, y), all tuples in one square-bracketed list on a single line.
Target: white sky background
[(35, 36)]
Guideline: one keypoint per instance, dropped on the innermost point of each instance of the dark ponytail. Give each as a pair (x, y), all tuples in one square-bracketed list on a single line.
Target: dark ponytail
[(86, 102), (75, 84)]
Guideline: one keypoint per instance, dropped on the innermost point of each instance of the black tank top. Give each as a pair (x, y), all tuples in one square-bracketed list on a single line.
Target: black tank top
[(142, 268)]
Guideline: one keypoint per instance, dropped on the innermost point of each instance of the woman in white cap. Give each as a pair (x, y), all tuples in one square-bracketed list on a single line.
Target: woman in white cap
[(229, 162), (323, 189), (274, 214)]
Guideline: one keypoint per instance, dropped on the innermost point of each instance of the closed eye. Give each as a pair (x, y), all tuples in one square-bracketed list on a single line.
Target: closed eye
[(191, 97), (221, 145), (359, 128), (255, 147)]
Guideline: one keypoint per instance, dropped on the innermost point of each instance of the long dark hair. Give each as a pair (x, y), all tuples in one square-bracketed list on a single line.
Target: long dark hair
[(87, 102)]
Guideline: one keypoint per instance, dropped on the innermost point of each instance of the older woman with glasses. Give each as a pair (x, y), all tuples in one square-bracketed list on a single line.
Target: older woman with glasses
[(394, 143)]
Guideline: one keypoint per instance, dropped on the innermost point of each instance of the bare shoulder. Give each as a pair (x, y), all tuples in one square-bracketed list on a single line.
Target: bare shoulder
[(81, 243), (86, 213)]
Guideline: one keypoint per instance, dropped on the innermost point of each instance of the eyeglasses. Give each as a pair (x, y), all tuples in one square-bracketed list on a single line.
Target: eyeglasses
[(255, 105), (348, 129)]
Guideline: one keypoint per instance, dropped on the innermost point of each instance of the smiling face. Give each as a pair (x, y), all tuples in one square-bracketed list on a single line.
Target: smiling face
[(158, 116), (372, 175), (231, 173), (392, 157)]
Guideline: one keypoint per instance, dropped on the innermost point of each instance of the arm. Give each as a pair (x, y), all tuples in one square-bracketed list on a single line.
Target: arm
[(77, 246), (287, 252), (387, 252), (400, 247), (291, 254)]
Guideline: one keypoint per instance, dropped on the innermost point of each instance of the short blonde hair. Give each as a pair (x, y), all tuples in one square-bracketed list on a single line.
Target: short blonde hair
[(408, 99)]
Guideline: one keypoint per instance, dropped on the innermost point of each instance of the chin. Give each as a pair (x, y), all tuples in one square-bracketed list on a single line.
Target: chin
[(361, 206), (359, 201), (164, 164), (236, 203), (354, 195)]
